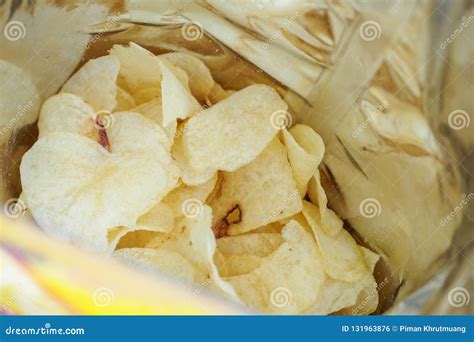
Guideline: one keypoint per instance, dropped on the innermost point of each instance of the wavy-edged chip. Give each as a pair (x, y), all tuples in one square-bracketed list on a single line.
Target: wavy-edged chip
[(305, 152), (288, 280), (257, 194), (95, 82), (233, 132)]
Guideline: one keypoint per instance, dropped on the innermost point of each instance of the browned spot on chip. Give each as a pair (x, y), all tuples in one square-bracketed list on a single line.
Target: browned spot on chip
[(103, 138), (233, 216)]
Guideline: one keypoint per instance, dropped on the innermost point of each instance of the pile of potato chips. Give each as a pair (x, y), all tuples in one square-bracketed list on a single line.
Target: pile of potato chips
[(149, 159)]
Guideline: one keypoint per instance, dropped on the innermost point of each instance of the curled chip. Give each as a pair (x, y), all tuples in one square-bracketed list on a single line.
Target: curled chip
[(138, 67), (330, 222), (233, 132), (289, 279), (305, 152), (178, 103), (201, 82), (253, 196), (343, 258), (147, 77), (95, 82)]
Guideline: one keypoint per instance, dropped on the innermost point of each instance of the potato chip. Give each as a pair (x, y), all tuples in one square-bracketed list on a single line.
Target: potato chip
[(217, 94), (189, 175), (201, 82), (138, 67), (343, 259), (76, 190), (312, 215), (233, 132), (331, 223), (143, 94), (152, 260), (137, 238), (356, 298), (95, 82), (147, 77), (130, 131), (193, 239), (181, 198), (238, 264), (125, 101), (254, 195), (152, 110), (177, 101), (274, 227), (159, 218), (67, 113), (261, 244), (288, 280), (305, 152)]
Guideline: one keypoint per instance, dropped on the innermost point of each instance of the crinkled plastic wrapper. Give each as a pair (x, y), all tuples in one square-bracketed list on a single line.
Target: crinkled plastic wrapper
[(385, 84)]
